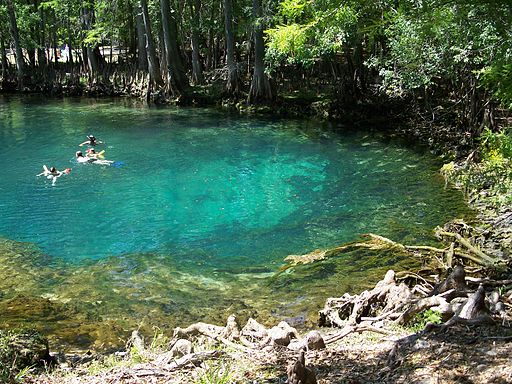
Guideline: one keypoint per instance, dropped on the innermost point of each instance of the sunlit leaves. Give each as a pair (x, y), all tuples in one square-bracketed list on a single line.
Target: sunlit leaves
[(313, 30), (288, 42), (294, 10), (498, 78)]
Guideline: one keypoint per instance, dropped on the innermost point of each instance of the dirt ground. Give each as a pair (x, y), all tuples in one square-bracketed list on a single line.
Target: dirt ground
[(459, 354)]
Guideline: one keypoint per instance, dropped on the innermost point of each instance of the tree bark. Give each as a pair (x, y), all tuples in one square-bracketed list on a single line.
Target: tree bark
[(88, 20), (20, 64), (155, 75), (197, 70), (142, 56), (233, 83), (176, 72), (4, 57), (41, 56), (260, 90)]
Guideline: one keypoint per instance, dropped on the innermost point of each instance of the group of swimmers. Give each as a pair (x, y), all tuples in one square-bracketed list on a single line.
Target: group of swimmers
[(91, 156)]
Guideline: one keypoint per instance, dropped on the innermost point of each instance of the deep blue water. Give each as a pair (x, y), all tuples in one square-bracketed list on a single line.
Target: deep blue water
[(204, 187)]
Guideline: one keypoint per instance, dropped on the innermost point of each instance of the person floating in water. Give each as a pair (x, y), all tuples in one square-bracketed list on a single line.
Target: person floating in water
[(87, 159), (53, 173), (91, 153), (91, 140)]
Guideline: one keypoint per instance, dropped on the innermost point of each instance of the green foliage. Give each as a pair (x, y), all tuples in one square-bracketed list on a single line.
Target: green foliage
[(498, 79), (496, 146), (490, 179), (288, 42), (421, 319), (294, 10), (439, 44), (309, 30), (20, 351), (220, 374)]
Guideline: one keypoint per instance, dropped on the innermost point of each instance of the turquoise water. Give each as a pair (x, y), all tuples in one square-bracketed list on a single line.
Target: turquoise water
[(202, 190), (208, 188)]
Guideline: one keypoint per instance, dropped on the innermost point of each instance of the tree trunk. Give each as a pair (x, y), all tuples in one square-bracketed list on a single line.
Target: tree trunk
[(20, 64), (4, 57), (176, 72), (92, 60), (260, 91), (132, 31), (41, 56), (31, 54), (155, 75), (142, 56), (233, 83), (70, 46), (197, 71)]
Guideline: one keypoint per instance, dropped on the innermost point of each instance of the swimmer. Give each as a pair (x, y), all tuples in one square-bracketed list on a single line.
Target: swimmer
[(91, 140), (53, 173), (81, 158), (91, 153), (86, 159)]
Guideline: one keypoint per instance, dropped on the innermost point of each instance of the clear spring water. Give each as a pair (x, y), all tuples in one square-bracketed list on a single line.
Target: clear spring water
[(199, 192)]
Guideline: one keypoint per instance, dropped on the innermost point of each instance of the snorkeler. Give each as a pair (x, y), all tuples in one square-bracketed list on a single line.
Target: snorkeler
[(86, 159), (53, 173), (91, 140)]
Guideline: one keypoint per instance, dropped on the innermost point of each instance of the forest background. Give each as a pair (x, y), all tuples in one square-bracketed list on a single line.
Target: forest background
[(451, 60)]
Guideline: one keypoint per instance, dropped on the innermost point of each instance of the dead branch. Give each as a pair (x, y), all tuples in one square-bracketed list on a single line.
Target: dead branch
[(484, 259), (192, 358), (348, 329)]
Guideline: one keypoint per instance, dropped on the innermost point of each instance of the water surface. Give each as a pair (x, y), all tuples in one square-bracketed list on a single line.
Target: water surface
[(199, 210)]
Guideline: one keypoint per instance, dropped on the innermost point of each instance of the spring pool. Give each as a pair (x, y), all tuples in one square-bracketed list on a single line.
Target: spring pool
[(196, 215)]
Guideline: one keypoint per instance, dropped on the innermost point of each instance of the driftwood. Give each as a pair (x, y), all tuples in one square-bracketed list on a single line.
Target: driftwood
[(479, 256), (312, 341), (421, 305), (221, 334), (464, 252)]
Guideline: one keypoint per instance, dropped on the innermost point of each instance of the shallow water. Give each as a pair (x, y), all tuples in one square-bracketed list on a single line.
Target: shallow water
[(197, 214)]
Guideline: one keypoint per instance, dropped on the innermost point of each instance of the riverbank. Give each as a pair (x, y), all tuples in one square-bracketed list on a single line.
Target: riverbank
[(435, 346), (461, 354)]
